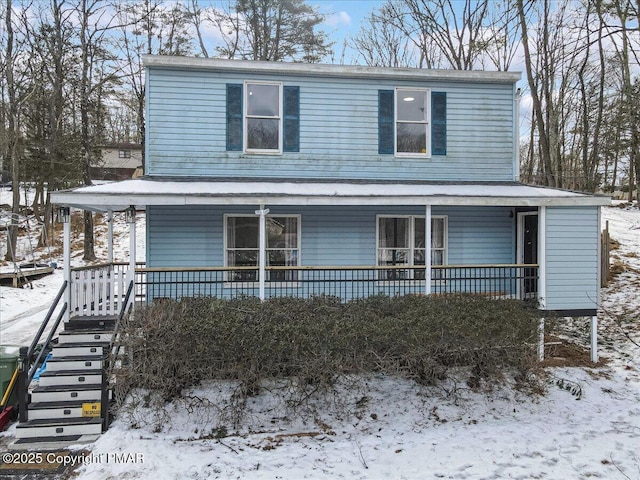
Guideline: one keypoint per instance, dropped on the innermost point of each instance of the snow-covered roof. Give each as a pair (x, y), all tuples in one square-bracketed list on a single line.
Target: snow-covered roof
[(327, 70), (195, 191)]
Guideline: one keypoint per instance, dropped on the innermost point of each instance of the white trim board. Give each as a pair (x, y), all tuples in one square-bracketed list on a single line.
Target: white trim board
[(145, 191)]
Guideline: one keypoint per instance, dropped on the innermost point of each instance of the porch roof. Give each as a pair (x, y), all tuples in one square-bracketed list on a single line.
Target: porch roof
[(145, 191)]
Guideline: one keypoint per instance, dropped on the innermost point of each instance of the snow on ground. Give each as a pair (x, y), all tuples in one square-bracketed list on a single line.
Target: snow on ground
[(395, 429), (23, 310), (400, 431), (620, 313)]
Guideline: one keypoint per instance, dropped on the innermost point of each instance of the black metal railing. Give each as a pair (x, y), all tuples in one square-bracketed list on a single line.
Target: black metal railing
[(112, 357), (494, 281), (28, 363)]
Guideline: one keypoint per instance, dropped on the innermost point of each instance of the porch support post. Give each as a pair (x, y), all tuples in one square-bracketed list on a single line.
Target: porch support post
[(65, 214), (131, 219), (427, 250), (542, 273), (541, 339), (594, 339), (594, 319), (542, 257), (110, 236), (262, 252), (516, 135)]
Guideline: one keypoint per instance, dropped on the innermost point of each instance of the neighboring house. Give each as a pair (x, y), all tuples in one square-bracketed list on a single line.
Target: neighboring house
[(119, 161), (290, 179)]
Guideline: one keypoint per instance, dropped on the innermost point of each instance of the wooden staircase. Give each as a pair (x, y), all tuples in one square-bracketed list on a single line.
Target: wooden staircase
[(66, 407)]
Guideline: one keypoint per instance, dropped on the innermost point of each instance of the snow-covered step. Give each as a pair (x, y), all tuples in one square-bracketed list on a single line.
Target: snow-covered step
[(60, 393), (83, 362), (58, 410), (59, 428), (84, 336), (70, 377)]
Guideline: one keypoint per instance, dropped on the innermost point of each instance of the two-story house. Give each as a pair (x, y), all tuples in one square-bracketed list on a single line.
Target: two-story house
[(274, 179)]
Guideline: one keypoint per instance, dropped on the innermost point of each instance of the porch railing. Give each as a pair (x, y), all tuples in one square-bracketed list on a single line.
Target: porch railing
[(98, 289), (494, 281)]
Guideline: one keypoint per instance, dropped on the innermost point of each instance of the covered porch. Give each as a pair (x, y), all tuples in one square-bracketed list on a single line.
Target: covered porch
[(494, 243)]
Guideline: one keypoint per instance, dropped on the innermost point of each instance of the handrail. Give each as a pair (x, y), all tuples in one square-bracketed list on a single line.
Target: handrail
[(36, 339), (330, 267), (125, 303), (113, 353), (25, 369), (32, 370), (103, 264)]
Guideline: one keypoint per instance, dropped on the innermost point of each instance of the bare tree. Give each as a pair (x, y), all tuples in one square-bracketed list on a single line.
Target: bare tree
[(198, 17), (624, 11), (52, 150), (591, 112), (381, 43), (12, 131), (548, 58), (272, 30), (94, 23), (502, 35), (147, 27), (456, 36)]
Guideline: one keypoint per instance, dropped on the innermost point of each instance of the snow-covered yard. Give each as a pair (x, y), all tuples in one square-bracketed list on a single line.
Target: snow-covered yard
[(395, 429)]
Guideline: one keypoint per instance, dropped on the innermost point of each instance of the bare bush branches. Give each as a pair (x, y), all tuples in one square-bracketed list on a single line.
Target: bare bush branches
[(300, 348)]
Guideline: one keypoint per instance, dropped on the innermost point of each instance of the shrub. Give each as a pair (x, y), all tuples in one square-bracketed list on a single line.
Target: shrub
[(311, 342)]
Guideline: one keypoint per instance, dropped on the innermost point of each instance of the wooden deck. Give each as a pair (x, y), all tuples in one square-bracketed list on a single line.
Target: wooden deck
[(24, 275)]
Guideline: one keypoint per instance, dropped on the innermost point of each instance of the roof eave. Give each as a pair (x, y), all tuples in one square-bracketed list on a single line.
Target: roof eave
[(326, 70), (104, 202)]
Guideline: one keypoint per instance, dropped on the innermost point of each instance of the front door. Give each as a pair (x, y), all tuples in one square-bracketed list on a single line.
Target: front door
[(527, 253)]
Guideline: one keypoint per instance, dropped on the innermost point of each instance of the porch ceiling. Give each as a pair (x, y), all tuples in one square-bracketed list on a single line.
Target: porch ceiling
[(146, 191)]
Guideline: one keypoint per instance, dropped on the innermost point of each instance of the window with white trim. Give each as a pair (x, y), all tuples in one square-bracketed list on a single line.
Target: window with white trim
[(412, 122), (401, 242), (263, 117), (242, 245)]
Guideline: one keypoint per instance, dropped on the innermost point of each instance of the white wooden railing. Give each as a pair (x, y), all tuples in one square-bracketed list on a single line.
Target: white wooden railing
[(98, 289)]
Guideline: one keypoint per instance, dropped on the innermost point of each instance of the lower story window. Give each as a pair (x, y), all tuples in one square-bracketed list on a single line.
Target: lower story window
[(242, 246), (401, 243)]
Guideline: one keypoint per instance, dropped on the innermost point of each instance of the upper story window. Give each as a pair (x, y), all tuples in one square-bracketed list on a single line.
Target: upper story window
[(412, 122), (263, 118), (124, 154)]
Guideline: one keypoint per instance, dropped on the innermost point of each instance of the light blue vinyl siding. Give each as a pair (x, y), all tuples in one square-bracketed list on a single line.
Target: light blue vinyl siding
[(572, 258), (330, 236), (183, 237), (186, 128)]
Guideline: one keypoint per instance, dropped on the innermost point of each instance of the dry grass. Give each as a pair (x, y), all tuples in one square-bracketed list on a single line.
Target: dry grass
[(563, 353)]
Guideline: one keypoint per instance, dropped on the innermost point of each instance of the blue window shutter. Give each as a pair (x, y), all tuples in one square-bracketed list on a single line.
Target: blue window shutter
[(385, 121), (291, 134), (234, 117), (438, 123)]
